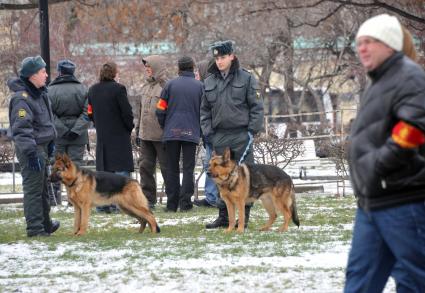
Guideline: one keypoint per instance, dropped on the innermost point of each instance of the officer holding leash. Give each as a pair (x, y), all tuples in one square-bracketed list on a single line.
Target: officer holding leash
[(231, 113), (33, 132)]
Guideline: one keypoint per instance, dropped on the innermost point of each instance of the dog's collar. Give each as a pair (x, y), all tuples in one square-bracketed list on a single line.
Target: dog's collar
[(73, 183), (231, 174)]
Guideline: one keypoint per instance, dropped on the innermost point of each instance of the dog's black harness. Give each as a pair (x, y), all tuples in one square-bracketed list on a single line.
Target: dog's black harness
[(73, 183)]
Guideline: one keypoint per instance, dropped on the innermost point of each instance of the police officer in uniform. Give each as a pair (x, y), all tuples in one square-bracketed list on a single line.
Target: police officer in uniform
[(69, 106), (231, 113), (33, 131)]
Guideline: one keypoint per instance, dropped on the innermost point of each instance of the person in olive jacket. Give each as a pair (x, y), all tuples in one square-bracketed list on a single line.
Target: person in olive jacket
[(148, 130), (113, 119), (387, 162), (69, 106), (178, 114), (33, 132), (231, 113)]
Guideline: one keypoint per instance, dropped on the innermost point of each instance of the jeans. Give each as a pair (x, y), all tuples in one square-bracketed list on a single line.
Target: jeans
[(112, 207), (380, 239), (211, 191)]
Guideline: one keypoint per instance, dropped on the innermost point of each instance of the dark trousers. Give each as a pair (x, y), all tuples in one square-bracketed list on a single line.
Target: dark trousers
[(383, 238), (180, 195), (149, 152), (237, 141), (36, 197)]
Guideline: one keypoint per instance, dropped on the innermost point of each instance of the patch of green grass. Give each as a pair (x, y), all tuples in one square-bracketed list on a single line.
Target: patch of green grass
[(324, 221)]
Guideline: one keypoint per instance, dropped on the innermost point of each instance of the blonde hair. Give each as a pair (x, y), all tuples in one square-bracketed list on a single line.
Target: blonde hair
[(408, 45)]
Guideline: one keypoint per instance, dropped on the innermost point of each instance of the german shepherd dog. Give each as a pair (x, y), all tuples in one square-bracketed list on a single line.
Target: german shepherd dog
[(87, 188), (245, 183)]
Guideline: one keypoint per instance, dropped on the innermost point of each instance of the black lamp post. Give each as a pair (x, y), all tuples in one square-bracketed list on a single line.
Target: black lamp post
[(43, 7)]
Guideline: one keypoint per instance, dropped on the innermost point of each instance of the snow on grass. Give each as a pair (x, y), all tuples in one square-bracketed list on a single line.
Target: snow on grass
[(184, 257)]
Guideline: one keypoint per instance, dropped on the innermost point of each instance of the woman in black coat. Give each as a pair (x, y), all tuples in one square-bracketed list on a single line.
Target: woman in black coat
[(113, 119)]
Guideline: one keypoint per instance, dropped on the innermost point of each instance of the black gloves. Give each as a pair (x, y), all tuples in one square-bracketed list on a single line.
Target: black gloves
[(34, 163), (51, 149), (138, 141), (70, 135)]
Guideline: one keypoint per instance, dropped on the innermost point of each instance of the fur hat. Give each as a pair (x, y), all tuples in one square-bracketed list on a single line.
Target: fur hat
[(186, 63), (66, 67), (384, 28), (222, 48), (31, 65)]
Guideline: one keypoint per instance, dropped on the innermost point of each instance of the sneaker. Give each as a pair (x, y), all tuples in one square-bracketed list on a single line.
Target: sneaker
[(41, 234), (55, 226), (186, 208), (202, 203), (168, 210), (151, 206)]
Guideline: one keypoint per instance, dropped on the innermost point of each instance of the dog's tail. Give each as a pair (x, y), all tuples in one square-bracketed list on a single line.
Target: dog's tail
[(294, 211)]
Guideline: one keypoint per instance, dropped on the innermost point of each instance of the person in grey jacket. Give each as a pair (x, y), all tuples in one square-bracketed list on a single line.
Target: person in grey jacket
[(33, 132), (231, 112), (69, 106)]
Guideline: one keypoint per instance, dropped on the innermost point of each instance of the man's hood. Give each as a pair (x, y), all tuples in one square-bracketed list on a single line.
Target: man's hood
[(157, 63)]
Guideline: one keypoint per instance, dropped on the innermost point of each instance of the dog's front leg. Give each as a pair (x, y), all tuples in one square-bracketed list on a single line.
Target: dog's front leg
[(231, 213), (85, 214), (241, 221), (77, 218)]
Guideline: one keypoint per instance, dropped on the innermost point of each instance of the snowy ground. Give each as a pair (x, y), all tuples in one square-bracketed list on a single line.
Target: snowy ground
[(178, 264), (172, 262)]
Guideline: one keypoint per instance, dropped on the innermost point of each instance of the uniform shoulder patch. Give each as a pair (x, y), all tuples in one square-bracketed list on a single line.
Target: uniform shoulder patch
[(22, 113), (24, 94)]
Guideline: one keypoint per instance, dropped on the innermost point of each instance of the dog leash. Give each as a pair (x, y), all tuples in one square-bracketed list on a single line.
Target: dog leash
[(251, 139)]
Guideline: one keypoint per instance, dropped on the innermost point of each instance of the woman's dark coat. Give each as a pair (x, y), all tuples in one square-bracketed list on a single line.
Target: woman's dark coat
[(113, 119)]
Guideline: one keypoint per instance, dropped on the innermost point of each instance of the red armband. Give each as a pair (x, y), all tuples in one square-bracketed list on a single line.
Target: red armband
[(407, 136), (162, 105), (89, 110)]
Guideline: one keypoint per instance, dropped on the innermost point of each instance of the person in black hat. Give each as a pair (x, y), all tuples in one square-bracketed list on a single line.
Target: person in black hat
[(231, 113), (69, 106), (178, 114), (33, 131)]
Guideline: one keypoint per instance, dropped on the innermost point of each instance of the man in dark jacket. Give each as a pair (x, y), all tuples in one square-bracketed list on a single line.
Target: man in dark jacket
[(33, 132), (113, 119), (178, 114), (231, 112), (387, 164), (69, 106)]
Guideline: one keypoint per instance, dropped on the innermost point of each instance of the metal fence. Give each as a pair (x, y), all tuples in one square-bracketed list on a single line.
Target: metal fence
[(305, 127)]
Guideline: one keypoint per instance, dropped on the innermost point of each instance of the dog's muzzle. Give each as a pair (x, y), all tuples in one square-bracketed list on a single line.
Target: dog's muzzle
[(55, 177)]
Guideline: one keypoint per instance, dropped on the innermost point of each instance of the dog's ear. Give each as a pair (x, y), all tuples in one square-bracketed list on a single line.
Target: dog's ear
[(58, 156), (226, 154), (66, 159), (232, 155)]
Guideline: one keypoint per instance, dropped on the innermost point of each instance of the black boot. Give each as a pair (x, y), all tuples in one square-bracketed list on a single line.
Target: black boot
[(247, 212), (221, 221)]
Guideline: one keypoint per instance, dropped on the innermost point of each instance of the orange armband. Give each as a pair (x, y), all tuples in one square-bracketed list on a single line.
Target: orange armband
[(407, 135), (162, 105)]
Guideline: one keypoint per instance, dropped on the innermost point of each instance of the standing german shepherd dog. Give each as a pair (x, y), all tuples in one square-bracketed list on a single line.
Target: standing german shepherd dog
[(245, 183), (87, 188)]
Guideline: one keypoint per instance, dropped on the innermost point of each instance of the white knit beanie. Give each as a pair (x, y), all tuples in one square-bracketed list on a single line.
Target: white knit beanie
[(384, 28)]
